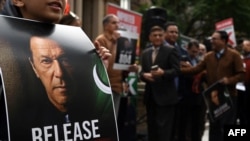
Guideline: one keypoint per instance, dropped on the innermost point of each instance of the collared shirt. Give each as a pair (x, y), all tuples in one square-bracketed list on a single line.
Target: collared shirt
[(218, 54), (193, 61), (155, 48), (230, 65), (154, 53)]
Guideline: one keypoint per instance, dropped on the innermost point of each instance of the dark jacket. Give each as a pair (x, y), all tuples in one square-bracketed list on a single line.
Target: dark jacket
[(162, 90), (228, 65)]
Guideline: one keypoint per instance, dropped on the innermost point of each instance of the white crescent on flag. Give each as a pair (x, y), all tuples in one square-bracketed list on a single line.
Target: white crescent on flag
[(99, 83)]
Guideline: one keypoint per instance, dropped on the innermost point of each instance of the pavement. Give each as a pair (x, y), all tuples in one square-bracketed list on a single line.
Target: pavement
[(205, 135)]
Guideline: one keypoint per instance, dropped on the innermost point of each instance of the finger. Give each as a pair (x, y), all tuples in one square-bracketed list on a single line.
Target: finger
[(103, 50), (106, 55), (97, 45)]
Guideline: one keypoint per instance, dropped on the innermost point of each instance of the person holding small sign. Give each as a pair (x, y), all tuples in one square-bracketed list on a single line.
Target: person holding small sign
[(225, 65), (109, 39)]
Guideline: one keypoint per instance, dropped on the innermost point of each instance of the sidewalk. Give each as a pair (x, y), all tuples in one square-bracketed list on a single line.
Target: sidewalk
[(205, 135)]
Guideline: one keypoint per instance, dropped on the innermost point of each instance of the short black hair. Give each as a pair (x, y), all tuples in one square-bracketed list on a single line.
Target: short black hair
[(223, 35), (192, 43), (169, 23)]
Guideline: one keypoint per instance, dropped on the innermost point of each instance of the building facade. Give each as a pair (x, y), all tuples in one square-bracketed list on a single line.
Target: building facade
[(92, 12)]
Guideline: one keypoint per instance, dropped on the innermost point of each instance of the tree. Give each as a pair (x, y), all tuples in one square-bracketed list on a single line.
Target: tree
[(197, 18)]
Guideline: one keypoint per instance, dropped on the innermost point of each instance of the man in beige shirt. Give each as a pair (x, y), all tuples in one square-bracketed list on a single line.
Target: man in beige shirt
[(108, 39)]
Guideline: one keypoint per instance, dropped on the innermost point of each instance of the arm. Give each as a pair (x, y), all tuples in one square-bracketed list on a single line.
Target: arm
[(173, 68), (239, 72), (145, 74), (174, 65), (188, 69), (103, 52)]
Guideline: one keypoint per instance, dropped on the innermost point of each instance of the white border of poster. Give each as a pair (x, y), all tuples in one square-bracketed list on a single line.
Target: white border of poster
[(125, 56)]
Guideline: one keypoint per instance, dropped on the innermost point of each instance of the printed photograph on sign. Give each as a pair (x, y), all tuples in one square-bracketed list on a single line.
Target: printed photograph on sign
[(55, 85), (126, 50), (218, 100)]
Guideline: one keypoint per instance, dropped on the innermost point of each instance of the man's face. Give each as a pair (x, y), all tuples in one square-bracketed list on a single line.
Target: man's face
[(202, 49), (113, 24), (216, 42), (50, 11), (156, 38), (52, 67), (246, 46), (193, 51), (172, 33), (215, 97)]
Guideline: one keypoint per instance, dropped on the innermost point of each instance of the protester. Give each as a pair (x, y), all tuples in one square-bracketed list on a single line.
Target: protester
[(225, 65), (171, 36), (109, 39), (246, 59), (117, 77), (202, 51), (160, 92), (191, 106)]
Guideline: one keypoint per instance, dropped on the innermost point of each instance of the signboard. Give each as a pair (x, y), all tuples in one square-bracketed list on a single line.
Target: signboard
[(228, 26), (126, 50), (55, 86), (218, 100), (130, 23)]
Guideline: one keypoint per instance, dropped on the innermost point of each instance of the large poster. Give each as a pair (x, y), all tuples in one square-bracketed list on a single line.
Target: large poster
[(55, 87)]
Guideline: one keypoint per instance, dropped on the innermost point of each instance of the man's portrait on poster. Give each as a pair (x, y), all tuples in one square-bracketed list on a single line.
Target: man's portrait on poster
[(51, 93), (126, 49), (218, 102), (55, 70)]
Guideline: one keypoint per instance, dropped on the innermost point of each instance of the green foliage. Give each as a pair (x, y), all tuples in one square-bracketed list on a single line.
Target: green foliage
[(197, 18)]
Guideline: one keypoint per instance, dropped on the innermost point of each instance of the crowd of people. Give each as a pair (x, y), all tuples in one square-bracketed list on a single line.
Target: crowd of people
[(175, 76)]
